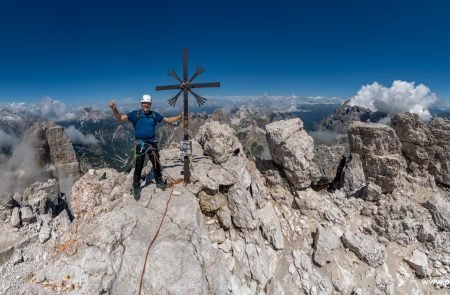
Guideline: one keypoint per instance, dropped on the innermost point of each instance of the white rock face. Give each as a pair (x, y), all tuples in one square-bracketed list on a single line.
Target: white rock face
[(218, 141), (112, 246), (234, 229), (325, 244), (293, 149), (271, 227), (26, 215), (380, 152), (440, 165), (440, 211), (352, 177), (15, 217), (419, 262), (365, 247), (416, 138)]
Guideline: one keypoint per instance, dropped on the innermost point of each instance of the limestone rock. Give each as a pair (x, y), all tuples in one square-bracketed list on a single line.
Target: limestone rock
[(329, 160), (307, 277), (360, 291), (17, 257), (440, 165), (6, 204), (224, 215), (236, 165), (15, 217), (26, 215), (43, 196), (416, 138), (45, 232), (54, 147), (371, 192), (112, 246), (440, 211), (271, 227), (218, 141), (92, 190), (399, 219), (379, 150), (352, 177), (217, 236), (419, 262), (325, 244), (341, 278), (426, 233), (242, 208), (211, 203), (221, 176), (319, 205), (62, 153), (293, 149), (259, 263), (6, 200), (365, 247), (373, 139)]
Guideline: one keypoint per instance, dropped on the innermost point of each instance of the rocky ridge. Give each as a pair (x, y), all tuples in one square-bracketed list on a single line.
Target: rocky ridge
[(237, 229)]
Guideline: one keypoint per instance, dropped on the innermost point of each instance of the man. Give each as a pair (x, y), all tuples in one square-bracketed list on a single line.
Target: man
[(144, 123)]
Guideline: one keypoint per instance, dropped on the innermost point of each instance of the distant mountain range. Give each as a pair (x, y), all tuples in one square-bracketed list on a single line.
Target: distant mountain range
[(115, 142)]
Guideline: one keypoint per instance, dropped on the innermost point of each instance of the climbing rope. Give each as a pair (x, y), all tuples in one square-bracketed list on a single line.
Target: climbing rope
[(172, 185)]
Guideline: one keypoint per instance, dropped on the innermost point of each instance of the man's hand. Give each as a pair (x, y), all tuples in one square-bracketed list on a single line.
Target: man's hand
[(112, 104)]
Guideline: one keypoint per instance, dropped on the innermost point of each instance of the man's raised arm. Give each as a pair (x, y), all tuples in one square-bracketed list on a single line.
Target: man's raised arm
[(174, 118), (119, 117)]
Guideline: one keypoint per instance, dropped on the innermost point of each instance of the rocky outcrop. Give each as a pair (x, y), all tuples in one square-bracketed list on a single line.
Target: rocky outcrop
[(113, 240), (440, 211), (419, 262), (329, 160), (380, 153), (440, 165), (352, 176), (416, 139), (293, 149), (218, 141), (237, 228), (365, 247), (343, 117), (62, 154), (54, 147)]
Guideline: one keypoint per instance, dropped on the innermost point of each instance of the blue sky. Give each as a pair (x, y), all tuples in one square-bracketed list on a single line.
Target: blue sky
[(91, 51)]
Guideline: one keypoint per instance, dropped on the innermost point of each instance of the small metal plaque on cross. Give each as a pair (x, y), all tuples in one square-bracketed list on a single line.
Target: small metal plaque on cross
[(186, 87)]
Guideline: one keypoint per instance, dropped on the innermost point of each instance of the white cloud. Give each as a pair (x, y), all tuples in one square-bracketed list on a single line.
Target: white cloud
[(400, 97), (22, 168), (47, 108), (7, 140), (324, 137), (77, 137)]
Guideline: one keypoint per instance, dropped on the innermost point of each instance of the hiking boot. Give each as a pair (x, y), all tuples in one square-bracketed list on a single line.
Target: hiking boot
[(136, 192), (160, 183)]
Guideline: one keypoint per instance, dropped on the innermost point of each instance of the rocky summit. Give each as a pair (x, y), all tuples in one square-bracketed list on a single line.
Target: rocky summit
[(370, 218)]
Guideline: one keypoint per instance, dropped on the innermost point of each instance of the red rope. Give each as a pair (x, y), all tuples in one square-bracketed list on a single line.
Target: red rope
[(160, 225)]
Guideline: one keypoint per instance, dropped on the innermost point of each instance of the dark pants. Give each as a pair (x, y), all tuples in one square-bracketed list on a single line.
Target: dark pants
[(152, 152)]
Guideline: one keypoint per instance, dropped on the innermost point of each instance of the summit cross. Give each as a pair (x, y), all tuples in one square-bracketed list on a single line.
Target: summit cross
[(185, 86)]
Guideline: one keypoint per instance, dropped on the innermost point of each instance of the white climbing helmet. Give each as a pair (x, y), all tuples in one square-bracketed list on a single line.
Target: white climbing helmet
[(146, 98)]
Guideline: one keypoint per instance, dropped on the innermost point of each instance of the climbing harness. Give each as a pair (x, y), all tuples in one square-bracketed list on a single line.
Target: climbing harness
[(145, 147)]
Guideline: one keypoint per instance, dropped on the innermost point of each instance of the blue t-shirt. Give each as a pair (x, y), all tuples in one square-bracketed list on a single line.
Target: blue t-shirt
[(144, 124)]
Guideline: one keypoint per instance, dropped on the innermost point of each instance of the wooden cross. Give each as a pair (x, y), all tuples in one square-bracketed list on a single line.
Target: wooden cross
[(186, 87)]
